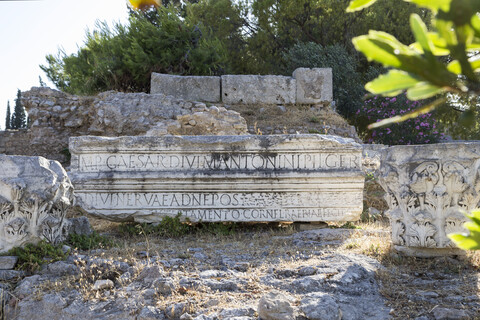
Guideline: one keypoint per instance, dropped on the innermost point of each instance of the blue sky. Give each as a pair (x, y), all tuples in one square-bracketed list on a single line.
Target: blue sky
[(29, 30)]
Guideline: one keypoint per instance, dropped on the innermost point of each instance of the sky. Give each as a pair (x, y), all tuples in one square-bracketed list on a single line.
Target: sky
[(29, 30)]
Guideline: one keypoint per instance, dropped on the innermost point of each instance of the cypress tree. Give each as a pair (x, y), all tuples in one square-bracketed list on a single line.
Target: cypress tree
[(8, 120), (19, 117)]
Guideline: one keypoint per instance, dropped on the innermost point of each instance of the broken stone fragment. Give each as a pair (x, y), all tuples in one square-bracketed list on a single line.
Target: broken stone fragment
[(276, 306), (35, 194)]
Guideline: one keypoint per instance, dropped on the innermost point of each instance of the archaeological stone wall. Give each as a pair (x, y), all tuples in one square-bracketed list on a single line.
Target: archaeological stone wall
[(55, 116), (306, 86)]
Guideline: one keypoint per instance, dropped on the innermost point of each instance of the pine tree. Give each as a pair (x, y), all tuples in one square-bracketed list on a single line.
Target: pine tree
[(19, 117), (8, 118)]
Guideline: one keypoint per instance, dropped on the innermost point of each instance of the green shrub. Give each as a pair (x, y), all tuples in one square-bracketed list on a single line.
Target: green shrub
[(217, 228), (347, 82), (174, 227), (89, 242), (32, 257), (169, 227)]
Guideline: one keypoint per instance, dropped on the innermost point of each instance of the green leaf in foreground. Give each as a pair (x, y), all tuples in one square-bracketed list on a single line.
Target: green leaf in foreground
[(356, 5), (470, 241), (392, 83), (423, 90), (433, 5)]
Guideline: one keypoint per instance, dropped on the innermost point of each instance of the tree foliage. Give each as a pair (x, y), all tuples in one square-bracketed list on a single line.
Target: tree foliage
[(8, 117), (208, 37), (347, 81), (19, 116), (123, 57), (282, 23), (419, 68)]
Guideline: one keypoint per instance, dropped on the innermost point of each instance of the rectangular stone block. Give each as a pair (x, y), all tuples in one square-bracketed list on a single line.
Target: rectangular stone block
[(196, 88), (251, 89), (219, 178), (313, 85)]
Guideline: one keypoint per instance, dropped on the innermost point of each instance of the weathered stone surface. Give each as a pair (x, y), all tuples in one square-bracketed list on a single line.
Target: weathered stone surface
[(219, 178), (441, 313), (80, 226), (56, 116), (150, 313), (246, 89), (61, 268), (313, 85), (320, 306), (204, 121), (428, 187), (276, 306), (103, 284), (198, 88), (348, 279), (8, 262), (35, 194)]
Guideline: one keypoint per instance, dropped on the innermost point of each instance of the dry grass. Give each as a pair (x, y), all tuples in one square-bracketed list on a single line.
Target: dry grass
[(413, 287), (301, 118)]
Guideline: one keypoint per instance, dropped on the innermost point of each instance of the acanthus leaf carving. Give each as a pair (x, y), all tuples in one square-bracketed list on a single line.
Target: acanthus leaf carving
[(398, 231), (454, 181), (422, 235)]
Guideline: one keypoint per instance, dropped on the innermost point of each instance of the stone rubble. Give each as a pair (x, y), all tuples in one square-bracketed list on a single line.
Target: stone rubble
[(310, 281), (322, 286), (55, 116)]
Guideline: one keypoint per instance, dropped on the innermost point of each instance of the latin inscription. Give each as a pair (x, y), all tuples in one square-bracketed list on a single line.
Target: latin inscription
[(158, 200), (264, 214), (217, 161)]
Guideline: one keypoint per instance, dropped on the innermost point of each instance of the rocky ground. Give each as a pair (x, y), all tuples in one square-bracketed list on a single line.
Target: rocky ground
[(256, 272)]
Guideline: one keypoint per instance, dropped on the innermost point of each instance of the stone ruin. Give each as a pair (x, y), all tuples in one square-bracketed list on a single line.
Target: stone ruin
[(219, 178), (425, 194), (428, 190), (306, 86), (175, 107), (35, 194)]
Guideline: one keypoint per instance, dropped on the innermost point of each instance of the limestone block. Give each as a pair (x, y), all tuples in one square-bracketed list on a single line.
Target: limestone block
[(219, 178), (427, 188), (313, 85), (197, 88), (35, 194), (251, 89), (208, 121), (213, 121), (276, 306)]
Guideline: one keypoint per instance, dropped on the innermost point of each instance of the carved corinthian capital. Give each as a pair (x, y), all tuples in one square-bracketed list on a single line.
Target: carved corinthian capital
[(35, 194), (428, 187)]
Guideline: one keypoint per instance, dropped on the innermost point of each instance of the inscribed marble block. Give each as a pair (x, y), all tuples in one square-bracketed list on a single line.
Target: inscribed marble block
[(219, 178)]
